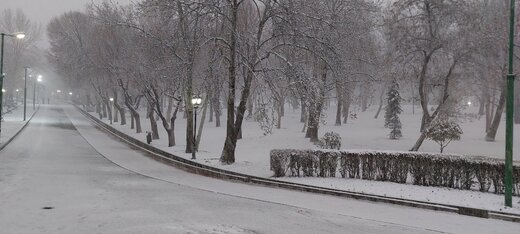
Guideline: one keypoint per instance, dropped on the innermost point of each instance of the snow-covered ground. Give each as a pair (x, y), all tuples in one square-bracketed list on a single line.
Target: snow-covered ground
[(306, 204), (13, 121), (92, 183), (365, 132)]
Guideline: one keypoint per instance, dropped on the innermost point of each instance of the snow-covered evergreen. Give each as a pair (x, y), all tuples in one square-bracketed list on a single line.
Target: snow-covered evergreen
[(392, 111)]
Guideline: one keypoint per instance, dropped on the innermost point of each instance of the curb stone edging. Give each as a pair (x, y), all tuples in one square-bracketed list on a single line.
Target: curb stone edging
[(2, 146), (208, 171)]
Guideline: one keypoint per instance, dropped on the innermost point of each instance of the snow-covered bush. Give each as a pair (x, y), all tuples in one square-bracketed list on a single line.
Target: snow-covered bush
[(330, 140), (426, 169), (443, 130)]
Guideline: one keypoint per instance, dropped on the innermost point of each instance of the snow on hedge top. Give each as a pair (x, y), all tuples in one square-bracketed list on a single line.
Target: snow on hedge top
[(473, 158)]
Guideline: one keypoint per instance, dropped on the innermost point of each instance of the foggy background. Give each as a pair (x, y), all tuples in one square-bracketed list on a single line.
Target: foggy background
[(42, 11)]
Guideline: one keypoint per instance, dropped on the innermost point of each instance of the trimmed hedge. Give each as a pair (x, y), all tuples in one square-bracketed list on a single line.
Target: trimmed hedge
[(427, 169)]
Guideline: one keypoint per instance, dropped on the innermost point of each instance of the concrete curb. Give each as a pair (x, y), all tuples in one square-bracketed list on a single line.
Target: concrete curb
[(201, 169), (2, 146)]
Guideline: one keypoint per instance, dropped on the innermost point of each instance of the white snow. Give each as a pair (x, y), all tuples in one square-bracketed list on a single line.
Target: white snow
[(364, 133), (305, 203), (13, 122), (89, 194)]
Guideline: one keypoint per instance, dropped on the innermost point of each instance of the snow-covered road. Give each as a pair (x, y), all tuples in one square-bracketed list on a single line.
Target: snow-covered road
[(95, 184)]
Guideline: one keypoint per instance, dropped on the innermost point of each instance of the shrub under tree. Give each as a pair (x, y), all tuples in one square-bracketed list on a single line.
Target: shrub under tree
[(392, 111), (330, 140), (443, 130)]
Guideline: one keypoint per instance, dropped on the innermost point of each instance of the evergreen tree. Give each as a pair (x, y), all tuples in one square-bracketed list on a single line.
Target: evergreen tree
[(392, 111)]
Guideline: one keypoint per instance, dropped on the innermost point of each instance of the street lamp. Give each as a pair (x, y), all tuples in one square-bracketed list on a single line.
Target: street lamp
[(195, 101), (39, 78), (508, 192), (111, 106), (19, 35)]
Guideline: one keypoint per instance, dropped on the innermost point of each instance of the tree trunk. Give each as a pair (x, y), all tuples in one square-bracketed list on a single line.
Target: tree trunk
[(303, 112), (381, 99), (169, 108), (104, 109), (98, 109), (218, 113), (201, 126), (228, 152), (492, 132), (482, 105), (347, 100), (153, 124), (423, 94), (119, 109), (419, 142), (315, 113), (313, 125), (339, 103), (137, 119), (250, 108), (488, 113), (211, 112), (132, 121)]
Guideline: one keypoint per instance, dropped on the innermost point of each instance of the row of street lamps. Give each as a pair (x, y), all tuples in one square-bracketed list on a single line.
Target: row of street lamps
[(39, 78), (19, 35)]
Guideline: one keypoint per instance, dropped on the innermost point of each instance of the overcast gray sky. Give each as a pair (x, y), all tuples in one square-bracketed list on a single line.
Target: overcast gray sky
[(44, 10)]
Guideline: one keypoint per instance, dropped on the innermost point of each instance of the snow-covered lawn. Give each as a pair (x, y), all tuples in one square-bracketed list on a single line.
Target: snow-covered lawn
[(13, 121), (365, 132)]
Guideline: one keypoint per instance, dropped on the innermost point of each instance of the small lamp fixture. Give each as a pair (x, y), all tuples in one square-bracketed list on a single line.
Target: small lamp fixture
[(20, 35), (196, 101)]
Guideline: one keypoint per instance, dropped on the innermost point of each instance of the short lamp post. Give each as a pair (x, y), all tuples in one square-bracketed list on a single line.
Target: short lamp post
[(19, 35), (195, 101), (111, 107)]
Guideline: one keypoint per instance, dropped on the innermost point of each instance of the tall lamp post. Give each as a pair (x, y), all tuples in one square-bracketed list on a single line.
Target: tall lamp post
[(39, 78), (509, 111), (19, 35), (25, 95), (195, 101)]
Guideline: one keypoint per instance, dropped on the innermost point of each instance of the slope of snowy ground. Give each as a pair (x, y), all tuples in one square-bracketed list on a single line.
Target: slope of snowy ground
[(365, 132), (307, 203), (13, 121)]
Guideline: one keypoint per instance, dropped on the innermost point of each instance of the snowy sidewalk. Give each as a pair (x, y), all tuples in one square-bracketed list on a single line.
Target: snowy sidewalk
[(133, 160), (13, 123)]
